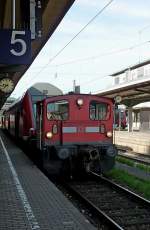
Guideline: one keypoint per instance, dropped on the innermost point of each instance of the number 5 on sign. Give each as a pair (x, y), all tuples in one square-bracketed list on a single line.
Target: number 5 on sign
[(15, 40), (15, 47)]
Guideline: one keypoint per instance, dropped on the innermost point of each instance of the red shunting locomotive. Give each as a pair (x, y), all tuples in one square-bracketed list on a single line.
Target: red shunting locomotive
[(73, 133)]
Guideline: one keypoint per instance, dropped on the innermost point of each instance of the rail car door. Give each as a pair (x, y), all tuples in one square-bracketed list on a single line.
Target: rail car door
[(39, 124), (17, 117)]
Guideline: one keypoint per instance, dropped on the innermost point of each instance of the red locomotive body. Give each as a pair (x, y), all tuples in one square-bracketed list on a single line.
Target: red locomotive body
[(76, 131)]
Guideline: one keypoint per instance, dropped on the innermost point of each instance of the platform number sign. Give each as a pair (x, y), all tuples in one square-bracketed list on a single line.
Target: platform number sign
[(15, 47), (15, 40)]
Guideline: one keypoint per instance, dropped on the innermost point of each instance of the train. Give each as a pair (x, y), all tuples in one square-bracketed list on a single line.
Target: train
[(72, 133)]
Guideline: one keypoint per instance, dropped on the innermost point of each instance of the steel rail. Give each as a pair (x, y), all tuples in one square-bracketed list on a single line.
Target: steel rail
[(126, 191), (144, 162), (110, 221), (97, 211)]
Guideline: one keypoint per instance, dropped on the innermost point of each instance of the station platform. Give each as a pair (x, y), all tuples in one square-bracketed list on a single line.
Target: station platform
[(28, 199), (138, 141)]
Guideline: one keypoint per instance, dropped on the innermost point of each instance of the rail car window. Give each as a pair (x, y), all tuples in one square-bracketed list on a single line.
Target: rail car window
[(98, 111), (34, 109), (58, 110)]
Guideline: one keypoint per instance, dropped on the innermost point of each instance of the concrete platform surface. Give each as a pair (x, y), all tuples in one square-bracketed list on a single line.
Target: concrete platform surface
[(28, 200), (138, 141), (133, 171)]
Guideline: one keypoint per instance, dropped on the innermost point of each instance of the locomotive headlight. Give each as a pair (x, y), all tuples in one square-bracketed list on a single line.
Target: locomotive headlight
[(80, 101), (109, 134), (49, 135)]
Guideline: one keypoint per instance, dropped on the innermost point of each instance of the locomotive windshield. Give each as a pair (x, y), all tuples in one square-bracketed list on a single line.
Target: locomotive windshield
[(58, 110), (98, 110)]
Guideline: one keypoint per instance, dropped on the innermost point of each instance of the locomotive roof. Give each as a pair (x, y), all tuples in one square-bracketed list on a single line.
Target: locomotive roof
[(77, 95)]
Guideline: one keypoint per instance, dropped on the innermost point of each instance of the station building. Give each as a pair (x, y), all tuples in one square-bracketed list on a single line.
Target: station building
[(132, 73), (140, 112)]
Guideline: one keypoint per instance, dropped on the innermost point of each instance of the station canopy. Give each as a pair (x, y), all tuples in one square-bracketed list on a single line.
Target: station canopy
[(133, 92)]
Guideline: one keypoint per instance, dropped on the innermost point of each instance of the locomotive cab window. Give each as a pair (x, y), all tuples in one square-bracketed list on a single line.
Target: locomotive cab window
[(58, 110), (98, 110)]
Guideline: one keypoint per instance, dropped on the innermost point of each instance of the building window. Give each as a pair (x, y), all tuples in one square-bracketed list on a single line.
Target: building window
[(136, 116), (128, 74), (147, 71), (116, 80), (140, 72)]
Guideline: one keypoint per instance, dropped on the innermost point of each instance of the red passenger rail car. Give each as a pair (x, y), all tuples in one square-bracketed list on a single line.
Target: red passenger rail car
[(72, 133), (19, 118)]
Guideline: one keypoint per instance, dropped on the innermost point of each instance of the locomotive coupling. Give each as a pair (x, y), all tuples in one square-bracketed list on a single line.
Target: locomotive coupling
[(90, 153), (93, 154)]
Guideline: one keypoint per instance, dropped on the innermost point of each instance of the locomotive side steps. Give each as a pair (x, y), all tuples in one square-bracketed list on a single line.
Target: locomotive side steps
[(28, 200)]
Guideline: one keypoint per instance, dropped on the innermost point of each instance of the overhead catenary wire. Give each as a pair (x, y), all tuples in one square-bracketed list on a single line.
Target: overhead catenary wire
[(75, 36), (108, 53), (101, 55), (84, 27), (92, 58), (89, 58)]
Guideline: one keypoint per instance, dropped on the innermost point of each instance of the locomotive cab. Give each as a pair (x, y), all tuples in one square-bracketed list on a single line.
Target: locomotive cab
[(74, 132)]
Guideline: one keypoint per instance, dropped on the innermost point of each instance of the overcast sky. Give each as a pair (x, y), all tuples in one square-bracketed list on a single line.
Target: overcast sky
[(117, 38)]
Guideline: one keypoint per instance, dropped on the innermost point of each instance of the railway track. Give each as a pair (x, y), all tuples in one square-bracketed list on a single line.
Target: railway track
[(114, 205), (142, 159)]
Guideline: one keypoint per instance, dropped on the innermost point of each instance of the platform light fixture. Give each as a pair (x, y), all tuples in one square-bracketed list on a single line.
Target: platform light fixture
[(118, 99)]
